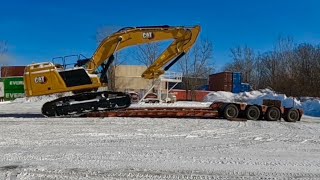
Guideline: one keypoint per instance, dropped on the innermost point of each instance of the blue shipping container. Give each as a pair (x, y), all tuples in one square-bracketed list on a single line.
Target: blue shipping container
[(236, 89), (237, 79), (245, 87), (236, 82)]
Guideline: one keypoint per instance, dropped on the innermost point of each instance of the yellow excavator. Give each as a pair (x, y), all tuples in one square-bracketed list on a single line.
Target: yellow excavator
[(83, 79)]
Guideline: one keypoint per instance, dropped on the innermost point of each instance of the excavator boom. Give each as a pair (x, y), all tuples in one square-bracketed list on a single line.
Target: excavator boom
[(183, 39)]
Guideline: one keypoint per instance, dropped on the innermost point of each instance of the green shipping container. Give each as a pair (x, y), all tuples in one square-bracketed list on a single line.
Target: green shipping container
[(13, 94), (13, 83)]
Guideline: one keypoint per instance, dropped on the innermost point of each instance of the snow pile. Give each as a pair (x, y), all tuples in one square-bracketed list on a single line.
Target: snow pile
[(256, 97), (41, 98), (311, 106), (253, 97), (4, 102), (169, 105), (220, 96), (34, 99)]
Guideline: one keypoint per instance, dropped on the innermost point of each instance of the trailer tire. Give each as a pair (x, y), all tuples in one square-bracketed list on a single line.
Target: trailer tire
[(253, 113), (273, 114), (230, 111), (292, 115)]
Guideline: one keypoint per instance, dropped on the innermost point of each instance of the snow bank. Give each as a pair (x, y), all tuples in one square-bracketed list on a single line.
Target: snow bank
[(4, 102), (310, 106), (40, 98), (176, 104), (34, 99)]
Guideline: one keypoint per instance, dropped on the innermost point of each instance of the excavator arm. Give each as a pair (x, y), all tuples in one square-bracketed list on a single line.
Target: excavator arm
[(183, 39)]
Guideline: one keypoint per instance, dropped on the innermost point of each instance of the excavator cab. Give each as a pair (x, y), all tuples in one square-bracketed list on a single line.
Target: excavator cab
[(48, 78), (82, 61)]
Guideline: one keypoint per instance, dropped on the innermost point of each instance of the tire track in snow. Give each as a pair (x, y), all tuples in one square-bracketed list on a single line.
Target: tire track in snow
[(151, 174)]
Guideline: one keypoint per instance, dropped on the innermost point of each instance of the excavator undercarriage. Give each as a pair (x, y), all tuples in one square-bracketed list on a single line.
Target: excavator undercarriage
[(83, 103)]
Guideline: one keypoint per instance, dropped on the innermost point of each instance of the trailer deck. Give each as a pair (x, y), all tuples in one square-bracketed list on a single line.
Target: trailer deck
[(271, 110), (156, 112)]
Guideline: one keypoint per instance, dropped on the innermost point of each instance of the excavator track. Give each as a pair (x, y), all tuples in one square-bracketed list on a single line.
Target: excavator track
[(79, 104)]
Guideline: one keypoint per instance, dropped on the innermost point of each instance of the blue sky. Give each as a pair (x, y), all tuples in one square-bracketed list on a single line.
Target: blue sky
[(36, 31)]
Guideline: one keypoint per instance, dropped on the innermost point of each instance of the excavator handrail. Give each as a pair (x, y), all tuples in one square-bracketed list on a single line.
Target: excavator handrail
[(151, 27)]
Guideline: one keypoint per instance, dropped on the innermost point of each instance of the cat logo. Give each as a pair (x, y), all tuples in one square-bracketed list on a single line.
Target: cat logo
[(147, 35), (40, 80)]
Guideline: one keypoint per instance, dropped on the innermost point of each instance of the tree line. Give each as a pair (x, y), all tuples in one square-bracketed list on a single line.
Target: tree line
[(292, 69)]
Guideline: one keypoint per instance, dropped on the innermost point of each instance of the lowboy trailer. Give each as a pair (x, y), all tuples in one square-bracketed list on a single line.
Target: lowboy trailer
[(271, 110)]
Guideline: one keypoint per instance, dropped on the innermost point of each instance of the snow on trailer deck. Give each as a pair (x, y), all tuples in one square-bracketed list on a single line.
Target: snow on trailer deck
[(158, 112), (33, 147)]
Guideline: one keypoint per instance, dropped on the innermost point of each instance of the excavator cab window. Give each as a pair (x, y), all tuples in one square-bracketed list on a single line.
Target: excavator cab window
[(70, 61), (82, 62), (103, 70), (58, 62)]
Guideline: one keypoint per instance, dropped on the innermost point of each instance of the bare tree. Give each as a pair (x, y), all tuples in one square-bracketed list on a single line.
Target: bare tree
[(3, 47), (289, 68), (197, 65), (104, 32), (275, 68), (198, 62), (193, 64), (306, 70), (269, 69), (266, 69), (147, 54), (3, 51), (243, 61), (101, 34)]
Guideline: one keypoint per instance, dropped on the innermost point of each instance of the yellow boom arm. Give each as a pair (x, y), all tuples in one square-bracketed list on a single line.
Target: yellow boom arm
[(184, 38)]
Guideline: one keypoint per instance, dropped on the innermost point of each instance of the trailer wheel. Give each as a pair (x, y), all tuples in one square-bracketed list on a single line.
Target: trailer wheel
[(272, 114), (253, 113), (230, 111), (292, 115)]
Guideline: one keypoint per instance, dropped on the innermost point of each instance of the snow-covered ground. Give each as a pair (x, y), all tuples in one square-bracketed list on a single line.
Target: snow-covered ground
[(33, 147)]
